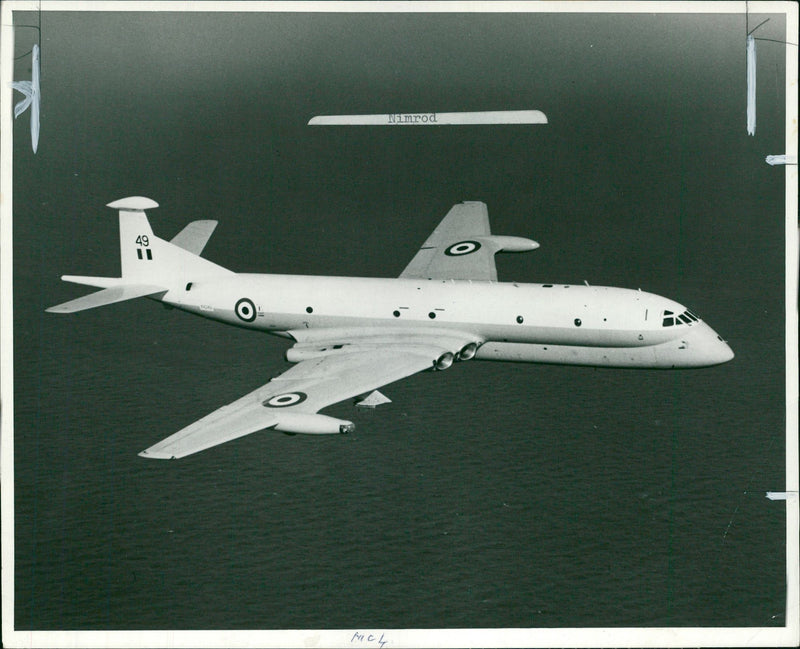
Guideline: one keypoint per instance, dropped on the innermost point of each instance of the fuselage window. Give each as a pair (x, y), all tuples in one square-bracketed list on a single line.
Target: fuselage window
[(668, 322), (685, 318)]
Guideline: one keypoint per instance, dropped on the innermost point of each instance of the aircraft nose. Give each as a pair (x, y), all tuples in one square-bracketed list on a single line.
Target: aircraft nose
[(726, 353), (709, 347)]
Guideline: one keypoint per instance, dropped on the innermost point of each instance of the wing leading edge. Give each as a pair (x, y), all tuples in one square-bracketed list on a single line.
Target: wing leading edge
[(290, 402), (463, 247)]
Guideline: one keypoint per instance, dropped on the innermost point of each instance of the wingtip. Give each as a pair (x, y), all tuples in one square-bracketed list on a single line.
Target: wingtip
[(155, 455)]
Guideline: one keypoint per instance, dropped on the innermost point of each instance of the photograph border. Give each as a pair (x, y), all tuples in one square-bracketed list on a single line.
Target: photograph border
[(515, 637)]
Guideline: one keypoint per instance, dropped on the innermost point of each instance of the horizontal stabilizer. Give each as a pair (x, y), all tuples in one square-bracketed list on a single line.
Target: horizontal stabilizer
[(98, 282), (194, 236), (106, 296)]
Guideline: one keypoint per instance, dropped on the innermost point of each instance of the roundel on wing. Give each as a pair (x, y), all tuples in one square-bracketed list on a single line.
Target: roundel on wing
[(246, 310), (462, 248), (285, 400)]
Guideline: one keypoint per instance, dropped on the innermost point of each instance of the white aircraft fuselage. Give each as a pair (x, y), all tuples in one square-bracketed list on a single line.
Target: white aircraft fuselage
[(353, 335), (540, 323)]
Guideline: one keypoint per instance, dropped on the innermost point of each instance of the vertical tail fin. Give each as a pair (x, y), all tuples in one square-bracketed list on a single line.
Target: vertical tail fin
[(150, 266), (148, 259), (136, 240)]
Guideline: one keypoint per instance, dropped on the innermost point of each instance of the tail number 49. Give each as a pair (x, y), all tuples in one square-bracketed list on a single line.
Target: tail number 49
[(143, 241)]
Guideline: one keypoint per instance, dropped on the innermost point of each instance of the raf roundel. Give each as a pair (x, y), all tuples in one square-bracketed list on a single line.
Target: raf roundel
[(462, 248), (285, 400), (246, 310)]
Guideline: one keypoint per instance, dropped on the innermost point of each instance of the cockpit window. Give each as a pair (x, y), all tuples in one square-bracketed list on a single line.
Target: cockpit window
[(685, 318)]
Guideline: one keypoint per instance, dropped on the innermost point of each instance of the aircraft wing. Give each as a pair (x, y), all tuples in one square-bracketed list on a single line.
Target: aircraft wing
[(463, 247), (329, 370)]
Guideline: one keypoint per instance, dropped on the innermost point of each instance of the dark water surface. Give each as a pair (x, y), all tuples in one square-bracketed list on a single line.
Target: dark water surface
[(491, 495)]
